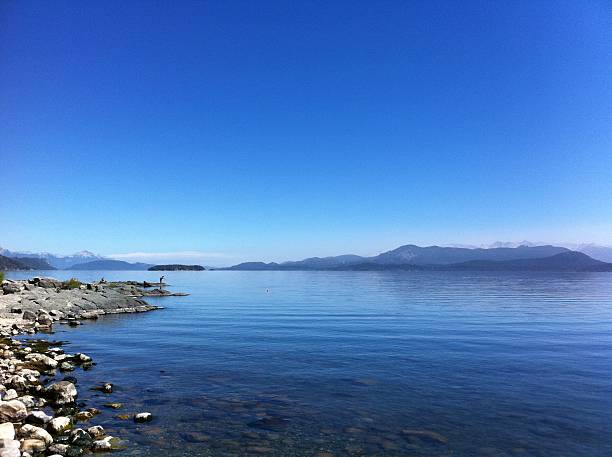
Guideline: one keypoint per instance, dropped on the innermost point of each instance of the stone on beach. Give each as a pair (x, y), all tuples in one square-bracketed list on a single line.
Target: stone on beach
[(80, 438), (33, 446), (12, 411), (34, 432), (35, 305), (10, 448), (38, 417), (7, 431), (59, 424), (41, 361), (62, 392)]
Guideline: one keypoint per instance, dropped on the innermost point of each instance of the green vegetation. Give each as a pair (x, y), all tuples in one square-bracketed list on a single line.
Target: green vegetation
[(72, 283), (1, 276)]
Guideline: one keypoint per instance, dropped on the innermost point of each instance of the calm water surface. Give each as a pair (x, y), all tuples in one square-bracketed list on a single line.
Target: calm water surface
[(358, 363)]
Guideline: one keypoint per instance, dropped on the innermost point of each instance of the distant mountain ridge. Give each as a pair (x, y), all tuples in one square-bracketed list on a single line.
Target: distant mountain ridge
[(412, 257), (60, 262), (6, 263), (110, 265), (34, 263)]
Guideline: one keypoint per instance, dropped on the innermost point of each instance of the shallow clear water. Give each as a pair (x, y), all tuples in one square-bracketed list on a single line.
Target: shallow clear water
[(300, 363)]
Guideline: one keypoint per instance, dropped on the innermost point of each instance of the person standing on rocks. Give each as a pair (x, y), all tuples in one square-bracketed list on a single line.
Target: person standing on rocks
[(161, 282)]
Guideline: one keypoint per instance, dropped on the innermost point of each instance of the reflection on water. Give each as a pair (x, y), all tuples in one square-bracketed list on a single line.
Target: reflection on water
[(358, 363)]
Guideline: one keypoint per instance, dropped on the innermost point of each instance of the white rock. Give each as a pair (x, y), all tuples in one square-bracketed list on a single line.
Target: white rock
[(41, 360), (12, 411), (33, 446), (104, 444), (62, 392), (143, 417), (7, 431), (59, 424), (10, 394), (96, 431), (10, 448), (39, 417), (36, 433), (58, 449)]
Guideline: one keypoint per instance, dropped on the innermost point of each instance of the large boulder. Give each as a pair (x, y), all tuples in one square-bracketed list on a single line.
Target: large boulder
[(29, 315), (7, 431), (33, 446), (47, 283), (41, 361), (36, 433), (9, 448), (12, 411), (38, 418), (58, 425), (62, 393), (80, 438), (9, 287)]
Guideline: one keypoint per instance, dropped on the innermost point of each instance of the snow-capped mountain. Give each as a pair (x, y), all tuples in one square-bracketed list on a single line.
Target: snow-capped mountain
[(58, 261)]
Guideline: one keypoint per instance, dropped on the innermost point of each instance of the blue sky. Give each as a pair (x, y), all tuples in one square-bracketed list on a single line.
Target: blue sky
[(277, 130)]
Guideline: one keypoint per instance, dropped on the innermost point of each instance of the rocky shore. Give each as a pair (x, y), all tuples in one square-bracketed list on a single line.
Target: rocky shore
[(39, 412)]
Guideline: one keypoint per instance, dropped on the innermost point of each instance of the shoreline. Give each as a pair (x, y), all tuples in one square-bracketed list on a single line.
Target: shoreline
[(39, 413)]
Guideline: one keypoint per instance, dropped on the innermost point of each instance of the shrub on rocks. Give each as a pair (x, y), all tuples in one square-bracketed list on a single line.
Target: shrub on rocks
[(72, 283)]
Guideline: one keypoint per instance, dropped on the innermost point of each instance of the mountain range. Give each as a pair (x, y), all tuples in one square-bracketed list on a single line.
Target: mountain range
[(411, 257), (496, 256), (59, 262)]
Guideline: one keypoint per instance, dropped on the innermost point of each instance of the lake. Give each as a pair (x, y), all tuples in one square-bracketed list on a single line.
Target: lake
[(357, 363)]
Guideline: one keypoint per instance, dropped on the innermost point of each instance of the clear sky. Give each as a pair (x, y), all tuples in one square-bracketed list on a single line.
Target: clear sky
[(268, 130)]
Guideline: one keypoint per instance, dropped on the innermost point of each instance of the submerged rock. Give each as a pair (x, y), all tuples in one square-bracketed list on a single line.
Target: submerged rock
[(96, 431), (143, 417), (104, 444), (425, 435)]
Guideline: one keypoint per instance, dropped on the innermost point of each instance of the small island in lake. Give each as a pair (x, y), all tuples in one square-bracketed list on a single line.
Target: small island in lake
[(177, 267)]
